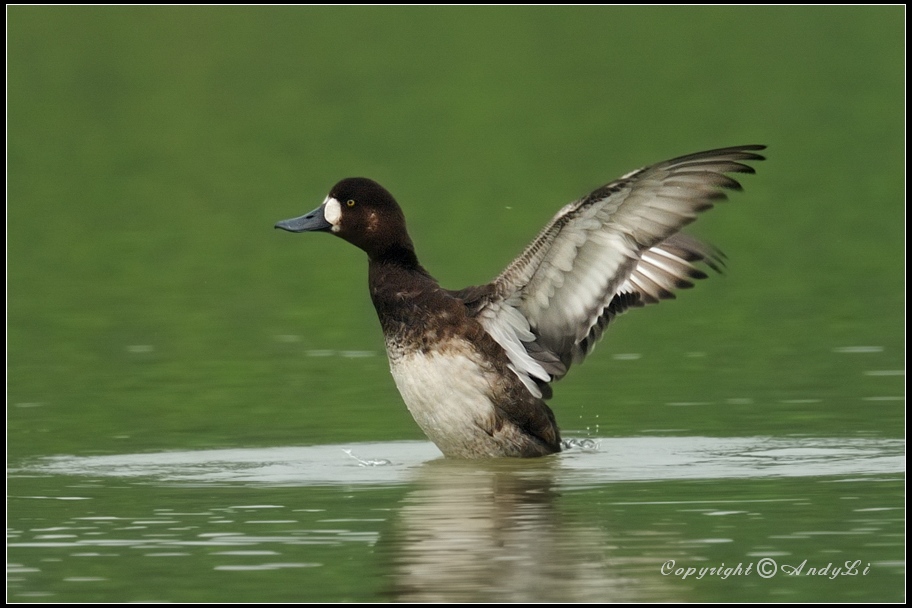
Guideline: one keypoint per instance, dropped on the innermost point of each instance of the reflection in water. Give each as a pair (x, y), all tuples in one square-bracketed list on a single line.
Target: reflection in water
[(367, 522), (491, 532)]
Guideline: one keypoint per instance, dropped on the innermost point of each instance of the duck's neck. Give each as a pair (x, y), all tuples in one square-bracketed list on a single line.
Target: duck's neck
[(402, 292), (401, 255)]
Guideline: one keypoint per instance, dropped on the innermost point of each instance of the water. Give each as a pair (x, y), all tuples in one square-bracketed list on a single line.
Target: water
[(619, 520), (596, 461)]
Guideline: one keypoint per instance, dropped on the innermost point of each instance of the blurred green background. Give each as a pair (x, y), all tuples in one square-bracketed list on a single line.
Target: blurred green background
[(151, 305)]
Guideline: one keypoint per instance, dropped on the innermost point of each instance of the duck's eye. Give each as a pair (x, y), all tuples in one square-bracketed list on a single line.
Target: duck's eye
[(350, 202)]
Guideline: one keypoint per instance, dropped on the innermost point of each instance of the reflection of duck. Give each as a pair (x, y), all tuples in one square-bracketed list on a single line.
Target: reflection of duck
[(474, 366), (491, 532)]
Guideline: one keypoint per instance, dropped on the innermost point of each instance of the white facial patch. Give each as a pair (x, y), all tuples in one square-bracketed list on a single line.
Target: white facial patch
[(332, 213)]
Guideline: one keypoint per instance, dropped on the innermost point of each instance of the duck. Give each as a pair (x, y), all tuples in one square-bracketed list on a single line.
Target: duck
[(475, 366)]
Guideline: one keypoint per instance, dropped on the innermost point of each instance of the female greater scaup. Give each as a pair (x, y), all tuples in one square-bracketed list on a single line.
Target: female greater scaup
[(474, 366)]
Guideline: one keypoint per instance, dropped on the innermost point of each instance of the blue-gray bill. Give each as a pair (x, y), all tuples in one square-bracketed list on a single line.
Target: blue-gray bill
[(311, 222)]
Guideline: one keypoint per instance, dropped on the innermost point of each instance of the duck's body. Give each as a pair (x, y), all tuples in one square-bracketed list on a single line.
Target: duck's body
[(453, 376), (474, 366)]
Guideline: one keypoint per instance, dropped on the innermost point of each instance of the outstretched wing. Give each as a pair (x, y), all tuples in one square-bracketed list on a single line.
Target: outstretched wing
[(617, 247)]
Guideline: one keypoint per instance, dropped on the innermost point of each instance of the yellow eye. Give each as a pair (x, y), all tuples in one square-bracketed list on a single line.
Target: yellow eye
[(350, 202)]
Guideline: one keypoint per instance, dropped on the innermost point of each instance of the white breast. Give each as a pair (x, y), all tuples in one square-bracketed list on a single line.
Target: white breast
[(448, 395)]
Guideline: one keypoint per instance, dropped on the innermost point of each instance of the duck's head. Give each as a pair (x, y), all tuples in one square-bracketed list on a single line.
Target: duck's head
[(362, 212)]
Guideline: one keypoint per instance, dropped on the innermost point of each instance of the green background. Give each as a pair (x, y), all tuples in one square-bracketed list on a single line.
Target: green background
[(151, 150), (153, 307)]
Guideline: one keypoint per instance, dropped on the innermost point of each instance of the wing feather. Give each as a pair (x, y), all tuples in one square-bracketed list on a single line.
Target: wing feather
[(617, 247)]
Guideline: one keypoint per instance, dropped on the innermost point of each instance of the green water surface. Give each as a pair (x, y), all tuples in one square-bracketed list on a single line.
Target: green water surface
[(152, 307)]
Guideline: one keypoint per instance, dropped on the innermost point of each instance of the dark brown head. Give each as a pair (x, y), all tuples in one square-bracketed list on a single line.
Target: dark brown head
[(362, 212)]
